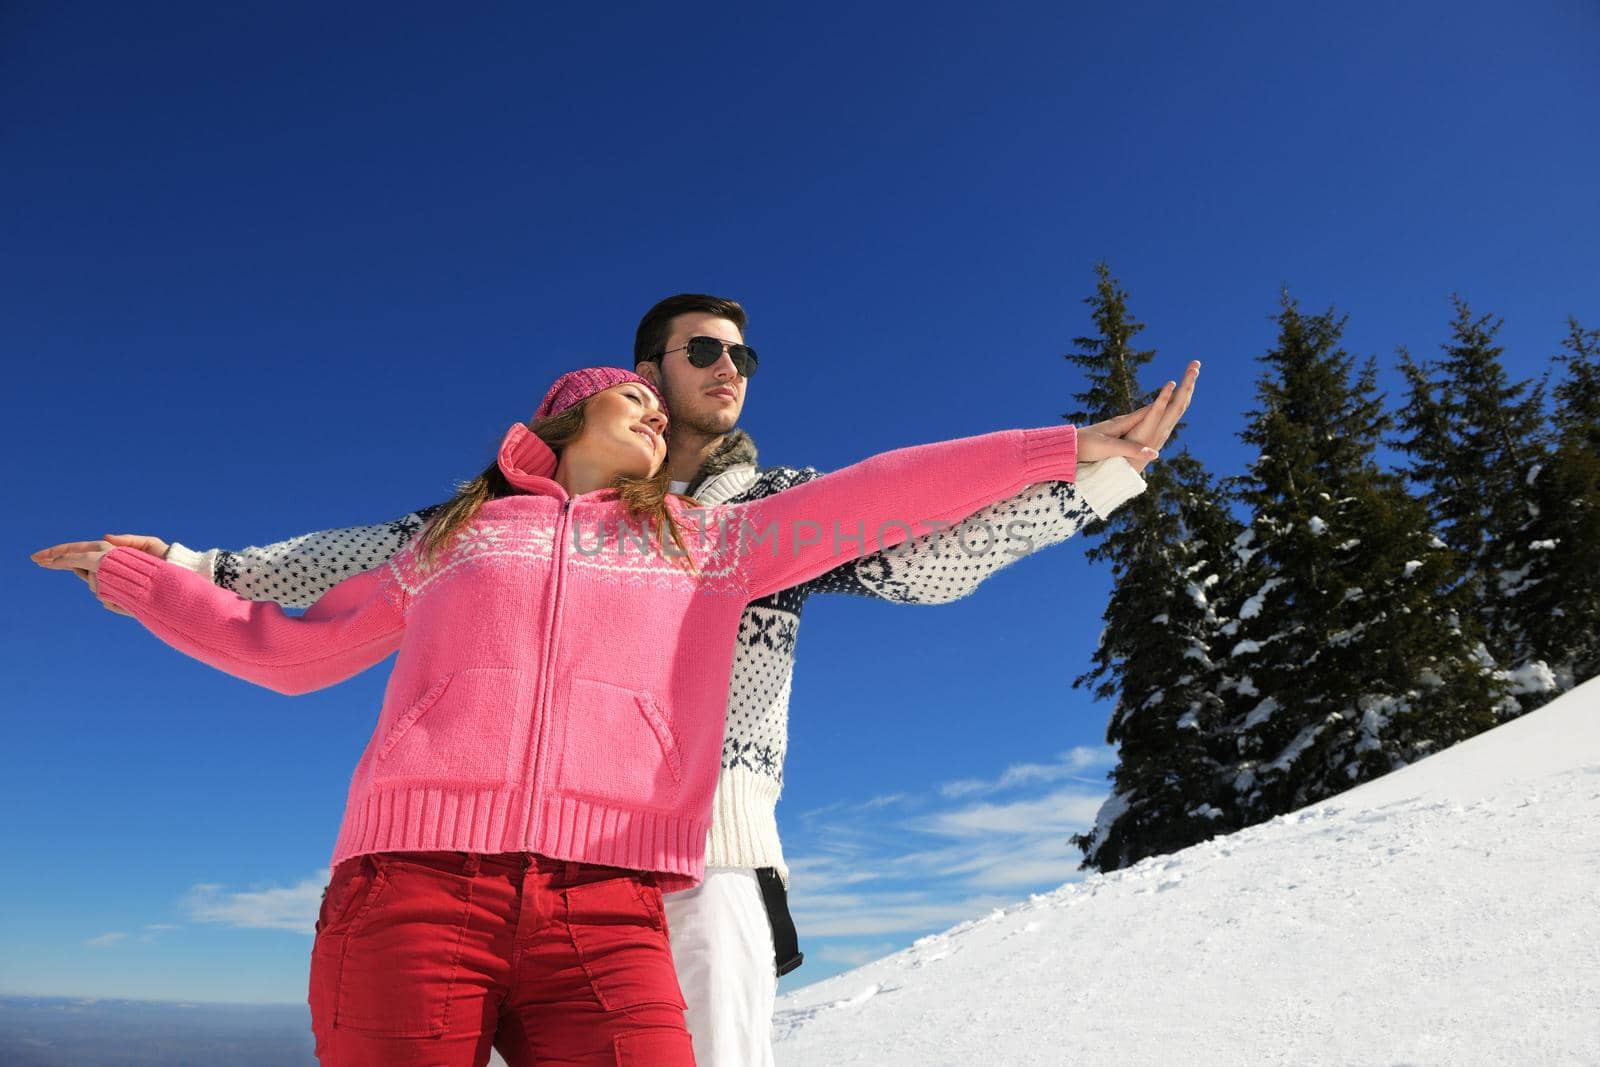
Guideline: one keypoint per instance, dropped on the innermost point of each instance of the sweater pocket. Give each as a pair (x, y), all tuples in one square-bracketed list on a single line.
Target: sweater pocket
[(618, 745), (459, 730)]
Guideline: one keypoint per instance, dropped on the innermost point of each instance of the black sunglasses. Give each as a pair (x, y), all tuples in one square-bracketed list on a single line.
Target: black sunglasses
[(704, 351)]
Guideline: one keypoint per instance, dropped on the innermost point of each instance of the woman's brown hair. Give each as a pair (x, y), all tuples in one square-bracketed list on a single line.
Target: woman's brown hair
[(645, 498)]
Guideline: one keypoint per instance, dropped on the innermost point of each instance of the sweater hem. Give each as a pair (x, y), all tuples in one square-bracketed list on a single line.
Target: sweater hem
[(425, 818)]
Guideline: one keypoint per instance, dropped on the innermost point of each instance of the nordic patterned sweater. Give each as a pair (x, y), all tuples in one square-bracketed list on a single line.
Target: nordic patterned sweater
[(933, 569)]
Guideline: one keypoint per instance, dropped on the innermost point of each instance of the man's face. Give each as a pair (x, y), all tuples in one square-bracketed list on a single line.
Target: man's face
[(707, 400)]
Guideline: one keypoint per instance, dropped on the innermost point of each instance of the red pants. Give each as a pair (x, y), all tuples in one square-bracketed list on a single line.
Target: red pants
[(426, 959)]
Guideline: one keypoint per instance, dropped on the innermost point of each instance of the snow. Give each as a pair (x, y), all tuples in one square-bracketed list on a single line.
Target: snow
[(1317, 526), (1376, 711), (1543, 546), (1114, 807), (1302, 741), (1342, 638), (1443, 914), (1511, 582), (1253, 606), (1241, 546), (1197, 590), (1261, 713), (1532, 677), (1413, 566)]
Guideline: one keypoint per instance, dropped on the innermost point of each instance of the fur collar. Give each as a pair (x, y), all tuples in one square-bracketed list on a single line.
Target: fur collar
[(736, 449)]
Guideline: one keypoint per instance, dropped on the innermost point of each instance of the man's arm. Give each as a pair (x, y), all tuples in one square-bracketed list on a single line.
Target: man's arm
[(295, 572), (940, 567)]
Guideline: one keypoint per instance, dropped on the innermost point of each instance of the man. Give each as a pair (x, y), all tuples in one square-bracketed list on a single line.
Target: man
[(732, 936)]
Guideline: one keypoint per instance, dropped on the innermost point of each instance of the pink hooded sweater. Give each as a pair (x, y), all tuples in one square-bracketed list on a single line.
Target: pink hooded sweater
[(561, 682)]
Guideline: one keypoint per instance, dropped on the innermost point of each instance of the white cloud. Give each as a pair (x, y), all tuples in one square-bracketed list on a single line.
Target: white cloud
[(854, 955), (847, 915), (1025, 874), (1073, 763), (1065, 811), (147, 935), (830, 870), (151, 931), (844, 807), (874, 883), (278, 908)]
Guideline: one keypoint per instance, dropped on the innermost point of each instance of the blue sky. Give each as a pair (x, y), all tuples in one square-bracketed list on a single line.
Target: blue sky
[(279, 268)]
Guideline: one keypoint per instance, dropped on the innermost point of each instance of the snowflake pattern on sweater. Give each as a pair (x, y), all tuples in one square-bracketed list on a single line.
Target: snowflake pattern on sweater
[(936, 568)]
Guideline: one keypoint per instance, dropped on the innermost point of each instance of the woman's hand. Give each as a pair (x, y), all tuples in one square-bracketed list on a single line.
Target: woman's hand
[(1141, 434), (83, 558)]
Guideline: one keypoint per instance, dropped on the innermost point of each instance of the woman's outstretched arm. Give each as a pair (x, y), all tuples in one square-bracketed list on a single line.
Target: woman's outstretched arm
[(353, 626), (802, 532), (938, 568), (806, 531), (941, 567)]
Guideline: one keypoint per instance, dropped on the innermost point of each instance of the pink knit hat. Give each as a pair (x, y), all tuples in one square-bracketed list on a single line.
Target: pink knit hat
[(578, 385)]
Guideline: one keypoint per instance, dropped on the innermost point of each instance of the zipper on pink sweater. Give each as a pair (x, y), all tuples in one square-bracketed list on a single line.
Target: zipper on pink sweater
[(547, 664)]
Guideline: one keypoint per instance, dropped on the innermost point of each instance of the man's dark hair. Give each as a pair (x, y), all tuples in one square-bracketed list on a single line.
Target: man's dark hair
[(656, 325)]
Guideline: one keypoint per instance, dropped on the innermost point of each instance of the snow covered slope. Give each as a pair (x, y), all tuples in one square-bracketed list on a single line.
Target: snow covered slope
[(1448, 913)]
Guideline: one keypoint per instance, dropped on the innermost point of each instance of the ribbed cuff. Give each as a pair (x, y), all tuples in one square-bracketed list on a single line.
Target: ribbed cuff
[(202, 563), (1108, 484), (744, 823), (1050, 454), (126, 575)]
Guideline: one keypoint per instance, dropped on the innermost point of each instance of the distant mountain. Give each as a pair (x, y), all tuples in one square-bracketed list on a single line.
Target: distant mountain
[(58, 1032)]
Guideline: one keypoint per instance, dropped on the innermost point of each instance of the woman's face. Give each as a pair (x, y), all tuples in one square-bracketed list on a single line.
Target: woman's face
[(624, 432)]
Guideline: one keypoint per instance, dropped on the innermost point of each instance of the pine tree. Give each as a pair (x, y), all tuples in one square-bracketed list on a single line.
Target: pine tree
[(1475, 437), (1165, 548), (1155, 662), (1578, 396), (1557, 600), (1109, 361), (1349, 653)]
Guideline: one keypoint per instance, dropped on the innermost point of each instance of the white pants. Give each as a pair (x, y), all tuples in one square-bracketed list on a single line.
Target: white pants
[(722, 946)]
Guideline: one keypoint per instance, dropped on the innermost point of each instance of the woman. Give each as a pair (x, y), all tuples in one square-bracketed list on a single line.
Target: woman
[(542, 766)]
